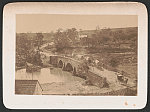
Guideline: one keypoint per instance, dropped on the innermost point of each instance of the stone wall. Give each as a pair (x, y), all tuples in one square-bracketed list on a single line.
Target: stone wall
[(96, 80), (53, 60)]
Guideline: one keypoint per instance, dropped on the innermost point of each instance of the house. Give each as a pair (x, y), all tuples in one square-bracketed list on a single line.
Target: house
[(82, 36), (28, 87)]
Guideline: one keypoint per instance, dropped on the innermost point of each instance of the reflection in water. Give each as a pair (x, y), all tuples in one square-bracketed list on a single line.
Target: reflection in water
[(47, 75)]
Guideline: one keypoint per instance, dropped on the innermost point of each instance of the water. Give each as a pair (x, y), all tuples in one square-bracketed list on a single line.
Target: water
[(47, 75)]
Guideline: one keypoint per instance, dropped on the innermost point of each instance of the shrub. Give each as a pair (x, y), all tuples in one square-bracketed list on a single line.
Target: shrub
[(114, 62)]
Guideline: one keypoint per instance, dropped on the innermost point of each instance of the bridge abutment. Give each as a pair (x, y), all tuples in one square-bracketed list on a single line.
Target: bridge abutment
[(53, 60)]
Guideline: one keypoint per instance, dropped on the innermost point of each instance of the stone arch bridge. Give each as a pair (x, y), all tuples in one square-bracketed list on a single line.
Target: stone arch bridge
[(78, 68), (67, 63)]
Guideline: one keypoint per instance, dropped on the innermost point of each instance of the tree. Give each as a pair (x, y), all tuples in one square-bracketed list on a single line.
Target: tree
[(100, 37), (71, 34), (23, 45), (114, 62), (64, 39), (39, 39), (60, 39)]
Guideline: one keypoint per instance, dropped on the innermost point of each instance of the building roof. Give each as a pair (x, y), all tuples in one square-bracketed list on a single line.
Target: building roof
[(25, 86)]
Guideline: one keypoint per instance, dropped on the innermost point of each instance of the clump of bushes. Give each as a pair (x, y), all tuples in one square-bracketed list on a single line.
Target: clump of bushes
[(114, 62)]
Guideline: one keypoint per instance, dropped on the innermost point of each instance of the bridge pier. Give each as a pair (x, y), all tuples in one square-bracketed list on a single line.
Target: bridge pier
[(74, 71), (60, 64), (64, 67)]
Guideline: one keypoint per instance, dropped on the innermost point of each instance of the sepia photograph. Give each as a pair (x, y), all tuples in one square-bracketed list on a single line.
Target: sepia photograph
[(76, 54), (79, 55)]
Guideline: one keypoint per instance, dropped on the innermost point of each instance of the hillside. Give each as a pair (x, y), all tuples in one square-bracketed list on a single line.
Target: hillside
[(49, 36), (46, 36), (113, 30)]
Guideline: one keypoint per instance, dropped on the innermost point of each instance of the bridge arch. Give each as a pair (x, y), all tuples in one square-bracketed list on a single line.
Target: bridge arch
[(69, 67), (74, 71), (60, 64)]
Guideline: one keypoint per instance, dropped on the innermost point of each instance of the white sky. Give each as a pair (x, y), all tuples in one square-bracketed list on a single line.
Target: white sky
[(49, 22)]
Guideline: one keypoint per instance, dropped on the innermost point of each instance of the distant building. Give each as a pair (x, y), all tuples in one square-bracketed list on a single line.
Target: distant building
[(82, 36), (86, 33), (28, 87)]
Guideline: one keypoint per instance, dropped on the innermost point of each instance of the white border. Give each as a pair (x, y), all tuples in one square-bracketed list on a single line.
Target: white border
[(13, 101)]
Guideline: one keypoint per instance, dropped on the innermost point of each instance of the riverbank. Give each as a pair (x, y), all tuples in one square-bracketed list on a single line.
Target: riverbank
[(80, 88), (54, 81)]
